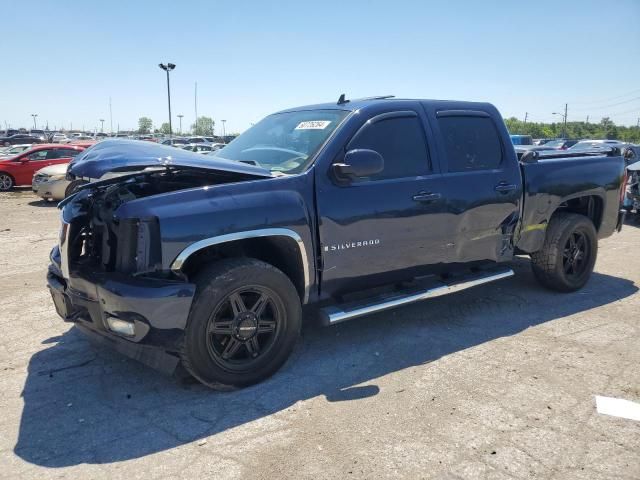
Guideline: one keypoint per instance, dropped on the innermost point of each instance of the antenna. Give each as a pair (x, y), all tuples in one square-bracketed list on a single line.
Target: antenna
[(342, 100)]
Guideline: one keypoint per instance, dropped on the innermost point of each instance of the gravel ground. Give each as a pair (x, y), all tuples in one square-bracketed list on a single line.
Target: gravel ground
[(494, 382)]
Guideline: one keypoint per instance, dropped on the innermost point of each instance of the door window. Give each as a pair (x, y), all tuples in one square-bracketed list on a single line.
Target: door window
[(66, 153), (400, 141), (41, 155), (471, 143)]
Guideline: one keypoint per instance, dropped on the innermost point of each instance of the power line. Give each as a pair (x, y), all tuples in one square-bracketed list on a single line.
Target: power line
[(590, 102), (611, 105)]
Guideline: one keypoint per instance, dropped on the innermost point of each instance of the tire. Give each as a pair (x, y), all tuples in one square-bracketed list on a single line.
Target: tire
[(218, 324), (6, 182), (73, 186), (561, 264)]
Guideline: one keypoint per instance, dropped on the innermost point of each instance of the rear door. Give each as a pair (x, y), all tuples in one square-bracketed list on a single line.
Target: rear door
[(375, 230), (483, 185), (63, 155)]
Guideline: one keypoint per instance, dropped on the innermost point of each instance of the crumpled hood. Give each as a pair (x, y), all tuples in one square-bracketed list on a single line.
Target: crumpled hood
[(119, 155)]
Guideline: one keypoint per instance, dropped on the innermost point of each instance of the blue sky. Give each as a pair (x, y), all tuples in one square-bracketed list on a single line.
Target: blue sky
[(64, 59)]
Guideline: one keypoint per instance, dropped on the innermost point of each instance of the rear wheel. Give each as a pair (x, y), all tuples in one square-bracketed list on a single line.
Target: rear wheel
[(6, 182), (243, 325), (569, 253)]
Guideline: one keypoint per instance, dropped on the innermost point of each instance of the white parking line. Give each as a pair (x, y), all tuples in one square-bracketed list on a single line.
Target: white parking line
[(617, 407)]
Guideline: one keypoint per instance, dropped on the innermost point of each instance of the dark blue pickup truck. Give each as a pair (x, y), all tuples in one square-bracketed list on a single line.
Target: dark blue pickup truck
[(204, 263)]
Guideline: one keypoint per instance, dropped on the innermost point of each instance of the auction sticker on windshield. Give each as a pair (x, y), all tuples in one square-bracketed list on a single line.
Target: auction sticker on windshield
[(313, 125)]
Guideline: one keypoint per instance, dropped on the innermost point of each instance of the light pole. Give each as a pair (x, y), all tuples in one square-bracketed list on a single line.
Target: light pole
[(564, 120), (102, 125), (167, 68), (224, 131), (180, 117), (34, 115)]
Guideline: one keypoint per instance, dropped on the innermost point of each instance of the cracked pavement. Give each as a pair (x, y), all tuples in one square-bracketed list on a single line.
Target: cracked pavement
[(494, 382)]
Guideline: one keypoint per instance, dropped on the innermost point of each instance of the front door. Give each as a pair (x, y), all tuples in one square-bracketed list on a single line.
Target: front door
[(374, 230)]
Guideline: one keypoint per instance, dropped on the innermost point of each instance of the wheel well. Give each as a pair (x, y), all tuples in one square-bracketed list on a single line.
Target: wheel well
[(590, 206), (10, 176), (280, 251)]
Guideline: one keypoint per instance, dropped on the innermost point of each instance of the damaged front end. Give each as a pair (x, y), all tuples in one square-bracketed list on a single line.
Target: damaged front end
[(106, 274)]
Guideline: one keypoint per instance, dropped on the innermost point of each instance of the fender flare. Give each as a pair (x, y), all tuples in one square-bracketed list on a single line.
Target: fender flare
[(183, 256)]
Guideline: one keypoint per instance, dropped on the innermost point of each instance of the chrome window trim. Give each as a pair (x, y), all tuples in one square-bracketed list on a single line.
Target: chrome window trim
[(182, 257)]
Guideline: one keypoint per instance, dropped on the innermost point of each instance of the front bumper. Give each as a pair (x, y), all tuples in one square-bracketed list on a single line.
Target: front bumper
[(50, 189), (157, 308)]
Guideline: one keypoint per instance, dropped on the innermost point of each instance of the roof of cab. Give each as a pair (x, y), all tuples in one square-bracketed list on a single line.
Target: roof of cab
[(358, 104)]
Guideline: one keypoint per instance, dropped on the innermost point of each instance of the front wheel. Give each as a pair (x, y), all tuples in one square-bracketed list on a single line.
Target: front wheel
[(6, 182), (73, 187), (243, 325), (569, 253)]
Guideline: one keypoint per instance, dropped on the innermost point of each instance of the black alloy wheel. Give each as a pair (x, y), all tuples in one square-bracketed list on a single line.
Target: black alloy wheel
[(243, 328)]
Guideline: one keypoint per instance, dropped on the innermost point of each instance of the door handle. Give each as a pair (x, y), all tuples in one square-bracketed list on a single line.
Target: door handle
[(426, 197), (504, 187)]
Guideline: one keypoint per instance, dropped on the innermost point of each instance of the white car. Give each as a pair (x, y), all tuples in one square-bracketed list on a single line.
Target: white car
[(50, 183), (59, 138), (14, 150), (582, 144)]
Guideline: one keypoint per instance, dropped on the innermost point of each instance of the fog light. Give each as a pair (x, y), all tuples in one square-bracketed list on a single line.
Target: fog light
[(121, 326)]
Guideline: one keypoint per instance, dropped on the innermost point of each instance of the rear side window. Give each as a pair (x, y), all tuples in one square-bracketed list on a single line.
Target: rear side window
[(67, 152), (400, 141), (471, 143)]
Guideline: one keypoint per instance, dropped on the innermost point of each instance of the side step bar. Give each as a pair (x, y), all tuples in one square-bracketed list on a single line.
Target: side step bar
[(339, 313)]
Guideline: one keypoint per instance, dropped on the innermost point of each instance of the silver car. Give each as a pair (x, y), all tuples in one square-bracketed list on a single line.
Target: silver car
[(50, 183)]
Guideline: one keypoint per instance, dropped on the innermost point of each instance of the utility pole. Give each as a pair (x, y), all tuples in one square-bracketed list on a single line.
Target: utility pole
[(224, 131), (195, 102), (526, 115), (564, 130), (587, 119), (102, 125), (34, 115), (110, 118), (180, 117)]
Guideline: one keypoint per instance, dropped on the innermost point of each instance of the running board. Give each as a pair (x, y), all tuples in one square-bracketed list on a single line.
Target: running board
[(339, 313)]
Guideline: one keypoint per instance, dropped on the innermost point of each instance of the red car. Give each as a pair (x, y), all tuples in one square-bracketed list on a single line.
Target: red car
[(19, 170)]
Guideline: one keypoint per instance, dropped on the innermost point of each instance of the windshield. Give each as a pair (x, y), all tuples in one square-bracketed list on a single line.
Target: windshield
[(554, 143), (284, 142)]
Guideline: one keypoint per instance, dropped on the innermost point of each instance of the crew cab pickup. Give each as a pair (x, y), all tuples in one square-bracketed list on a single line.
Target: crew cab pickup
[(203, 263)]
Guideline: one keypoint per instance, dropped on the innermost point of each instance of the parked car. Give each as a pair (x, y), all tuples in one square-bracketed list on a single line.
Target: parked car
[(560, 144), (8, 152), (59, 138), (19, 138), (200, 140), (590, 144), (51, 183), (19, 170), (39, 134), (354, 207), (521, 139), (200, 147), (175, 142), (632, 192)]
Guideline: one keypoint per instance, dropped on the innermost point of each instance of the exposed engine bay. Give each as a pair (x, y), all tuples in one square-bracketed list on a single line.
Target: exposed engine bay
[(100, 238)]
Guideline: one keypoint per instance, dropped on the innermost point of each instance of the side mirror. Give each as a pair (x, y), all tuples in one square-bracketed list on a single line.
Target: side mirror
[(359, 163)]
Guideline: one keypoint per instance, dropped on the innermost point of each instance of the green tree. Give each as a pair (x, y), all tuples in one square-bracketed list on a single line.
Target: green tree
[(204, 126), (144, 125), (164, 128)]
